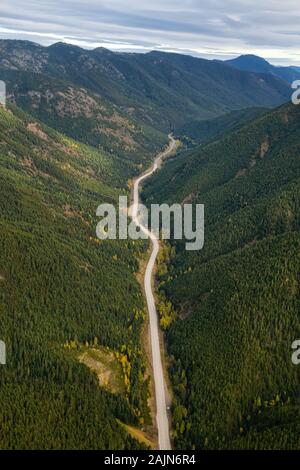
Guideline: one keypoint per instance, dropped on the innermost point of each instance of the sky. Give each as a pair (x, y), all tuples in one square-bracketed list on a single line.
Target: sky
[(219, 29)]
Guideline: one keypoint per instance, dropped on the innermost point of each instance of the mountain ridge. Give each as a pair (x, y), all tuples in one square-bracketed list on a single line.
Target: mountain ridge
[(159, 90), (253, 63)]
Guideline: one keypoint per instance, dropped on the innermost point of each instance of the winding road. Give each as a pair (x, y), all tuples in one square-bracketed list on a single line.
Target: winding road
[(164, 441)]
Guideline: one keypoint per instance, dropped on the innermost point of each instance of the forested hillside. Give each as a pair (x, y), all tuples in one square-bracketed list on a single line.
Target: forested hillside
[(64, 294), (199, 132), (237, 301)]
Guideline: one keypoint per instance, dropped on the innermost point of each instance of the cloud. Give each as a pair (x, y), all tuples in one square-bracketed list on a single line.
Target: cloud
[(210, 28)]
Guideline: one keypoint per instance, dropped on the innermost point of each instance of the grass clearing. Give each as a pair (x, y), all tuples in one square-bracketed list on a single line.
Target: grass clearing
[(108, 370)]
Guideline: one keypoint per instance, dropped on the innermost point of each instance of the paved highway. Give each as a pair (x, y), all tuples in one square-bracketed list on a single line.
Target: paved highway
[(158, 375)]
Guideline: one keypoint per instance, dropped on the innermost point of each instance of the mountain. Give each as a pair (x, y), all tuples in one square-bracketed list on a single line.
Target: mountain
[(253, 63), (68, 302), (237, 300), (125, 100), (54, 97)]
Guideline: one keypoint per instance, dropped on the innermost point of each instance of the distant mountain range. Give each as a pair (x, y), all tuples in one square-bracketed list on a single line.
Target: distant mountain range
[(253, 63), (126, 103)]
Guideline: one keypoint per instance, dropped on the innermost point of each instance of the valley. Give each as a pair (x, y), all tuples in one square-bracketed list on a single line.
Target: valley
[(162, 417), (82, 127)]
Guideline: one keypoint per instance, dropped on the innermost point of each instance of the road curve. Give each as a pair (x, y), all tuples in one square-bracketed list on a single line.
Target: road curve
[(158, 376)]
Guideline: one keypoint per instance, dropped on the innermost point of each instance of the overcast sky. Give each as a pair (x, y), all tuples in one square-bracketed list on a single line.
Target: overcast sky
[(206, 28)]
